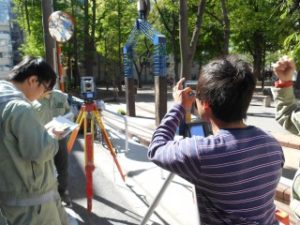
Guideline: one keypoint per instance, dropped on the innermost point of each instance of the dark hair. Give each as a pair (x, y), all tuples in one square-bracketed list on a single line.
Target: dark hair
[(33, 66), (227, 84)]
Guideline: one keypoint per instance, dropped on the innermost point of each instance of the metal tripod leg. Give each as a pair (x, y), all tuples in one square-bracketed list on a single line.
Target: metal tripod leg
[(85, 118), (108, 142), (81, 117), (89, 158), (89, 113), (157, 198)]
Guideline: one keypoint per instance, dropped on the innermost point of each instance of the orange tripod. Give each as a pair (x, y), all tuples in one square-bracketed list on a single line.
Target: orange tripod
[(87, 115)]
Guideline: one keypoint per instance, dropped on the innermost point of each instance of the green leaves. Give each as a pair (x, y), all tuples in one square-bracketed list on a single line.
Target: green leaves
[(275, 22), (29, 19)]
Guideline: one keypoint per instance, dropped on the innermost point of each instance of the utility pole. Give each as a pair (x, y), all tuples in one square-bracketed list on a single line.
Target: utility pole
[(49, 42)]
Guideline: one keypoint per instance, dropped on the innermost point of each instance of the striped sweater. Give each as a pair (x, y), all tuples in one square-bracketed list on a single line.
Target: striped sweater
[(235, 172)]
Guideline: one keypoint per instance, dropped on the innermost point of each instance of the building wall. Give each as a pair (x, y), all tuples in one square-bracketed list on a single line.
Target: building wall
[(6, 60), (6, 52)]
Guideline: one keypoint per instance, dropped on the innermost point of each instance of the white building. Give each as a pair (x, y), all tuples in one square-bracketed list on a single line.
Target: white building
[(6, 53)]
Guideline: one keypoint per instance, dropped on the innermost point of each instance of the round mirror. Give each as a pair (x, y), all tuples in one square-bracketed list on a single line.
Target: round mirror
[(61, 26)]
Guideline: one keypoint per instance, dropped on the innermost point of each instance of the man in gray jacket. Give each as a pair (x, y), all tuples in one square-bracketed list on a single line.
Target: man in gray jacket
[(53, 104), (28, 187), (288, 114)]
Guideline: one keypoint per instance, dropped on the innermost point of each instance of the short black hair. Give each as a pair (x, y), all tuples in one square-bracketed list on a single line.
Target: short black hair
[(33, 66), (227, 84)]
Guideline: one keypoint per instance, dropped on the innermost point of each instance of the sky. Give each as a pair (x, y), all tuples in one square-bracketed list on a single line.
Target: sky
[(4, 15)]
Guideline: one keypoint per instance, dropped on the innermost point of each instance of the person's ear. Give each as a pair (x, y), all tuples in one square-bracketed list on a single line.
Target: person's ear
[(32, 80), (207, 113), (206, 106)]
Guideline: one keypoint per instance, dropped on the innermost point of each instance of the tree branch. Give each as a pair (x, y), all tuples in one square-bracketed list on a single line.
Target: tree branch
[(163, 18), (198, 24), (249, 47), (214, 16)]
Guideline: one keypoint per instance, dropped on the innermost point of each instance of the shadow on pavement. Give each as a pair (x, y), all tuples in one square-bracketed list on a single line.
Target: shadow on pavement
[(143, 199), (136, 172), (135, 151), (76, 174), (145, 117), (267, 115), (289, 172), (93, 219)]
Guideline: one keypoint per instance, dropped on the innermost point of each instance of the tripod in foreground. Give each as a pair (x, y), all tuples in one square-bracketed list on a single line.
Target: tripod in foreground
[(87, 115)]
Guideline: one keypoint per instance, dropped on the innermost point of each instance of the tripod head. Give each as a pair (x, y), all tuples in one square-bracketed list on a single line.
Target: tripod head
[(87, 89)]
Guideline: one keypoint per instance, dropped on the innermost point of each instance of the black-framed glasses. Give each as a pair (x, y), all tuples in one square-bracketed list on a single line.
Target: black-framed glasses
[(46, 87)]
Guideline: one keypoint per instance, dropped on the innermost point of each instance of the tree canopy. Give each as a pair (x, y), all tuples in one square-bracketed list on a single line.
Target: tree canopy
[(196, 31)]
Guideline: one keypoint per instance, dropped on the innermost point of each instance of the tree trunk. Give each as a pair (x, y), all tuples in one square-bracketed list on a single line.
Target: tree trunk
[(105, 64), (99, 62), (139, 71), (69, 68), (75, 71), (119, 75), (176, 50), (173, 34), (257, 54), (226, 25), (176, 64), (187, 50), (89, 38), (27, 16), (50, 44), (184, 40)]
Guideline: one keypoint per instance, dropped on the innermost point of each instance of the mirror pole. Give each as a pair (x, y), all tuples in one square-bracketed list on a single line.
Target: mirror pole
[(60, 67)]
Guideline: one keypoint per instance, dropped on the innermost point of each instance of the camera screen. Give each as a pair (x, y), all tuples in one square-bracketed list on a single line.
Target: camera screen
[(197, 130), (191, 83), (90, 95)]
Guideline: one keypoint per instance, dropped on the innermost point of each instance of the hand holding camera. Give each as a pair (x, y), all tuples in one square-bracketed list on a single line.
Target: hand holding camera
[(183, 96)]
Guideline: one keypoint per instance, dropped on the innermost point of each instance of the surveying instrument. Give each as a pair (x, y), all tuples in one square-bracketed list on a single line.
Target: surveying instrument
[(87, 117)]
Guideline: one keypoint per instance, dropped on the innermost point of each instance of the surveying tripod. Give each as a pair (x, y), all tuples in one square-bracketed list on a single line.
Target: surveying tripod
[(87, 115)]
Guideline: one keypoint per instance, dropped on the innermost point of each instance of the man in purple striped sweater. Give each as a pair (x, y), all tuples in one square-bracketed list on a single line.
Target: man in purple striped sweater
[(236, 170)]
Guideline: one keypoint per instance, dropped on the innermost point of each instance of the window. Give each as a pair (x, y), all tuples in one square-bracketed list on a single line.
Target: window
[(2, 42)]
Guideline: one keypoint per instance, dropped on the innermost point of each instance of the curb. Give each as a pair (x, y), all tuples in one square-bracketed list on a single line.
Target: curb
[(142, 140), (288, 140), (283, 193)]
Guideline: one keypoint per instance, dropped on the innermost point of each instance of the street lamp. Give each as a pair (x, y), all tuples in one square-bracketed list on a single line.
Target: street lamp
[(61, 29)]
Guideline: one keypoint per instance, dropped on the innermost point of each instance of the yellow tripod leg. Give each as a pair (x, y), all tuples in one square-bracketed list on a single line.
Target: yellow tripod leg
[(108, 142), (74, 134), (89, 159)]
